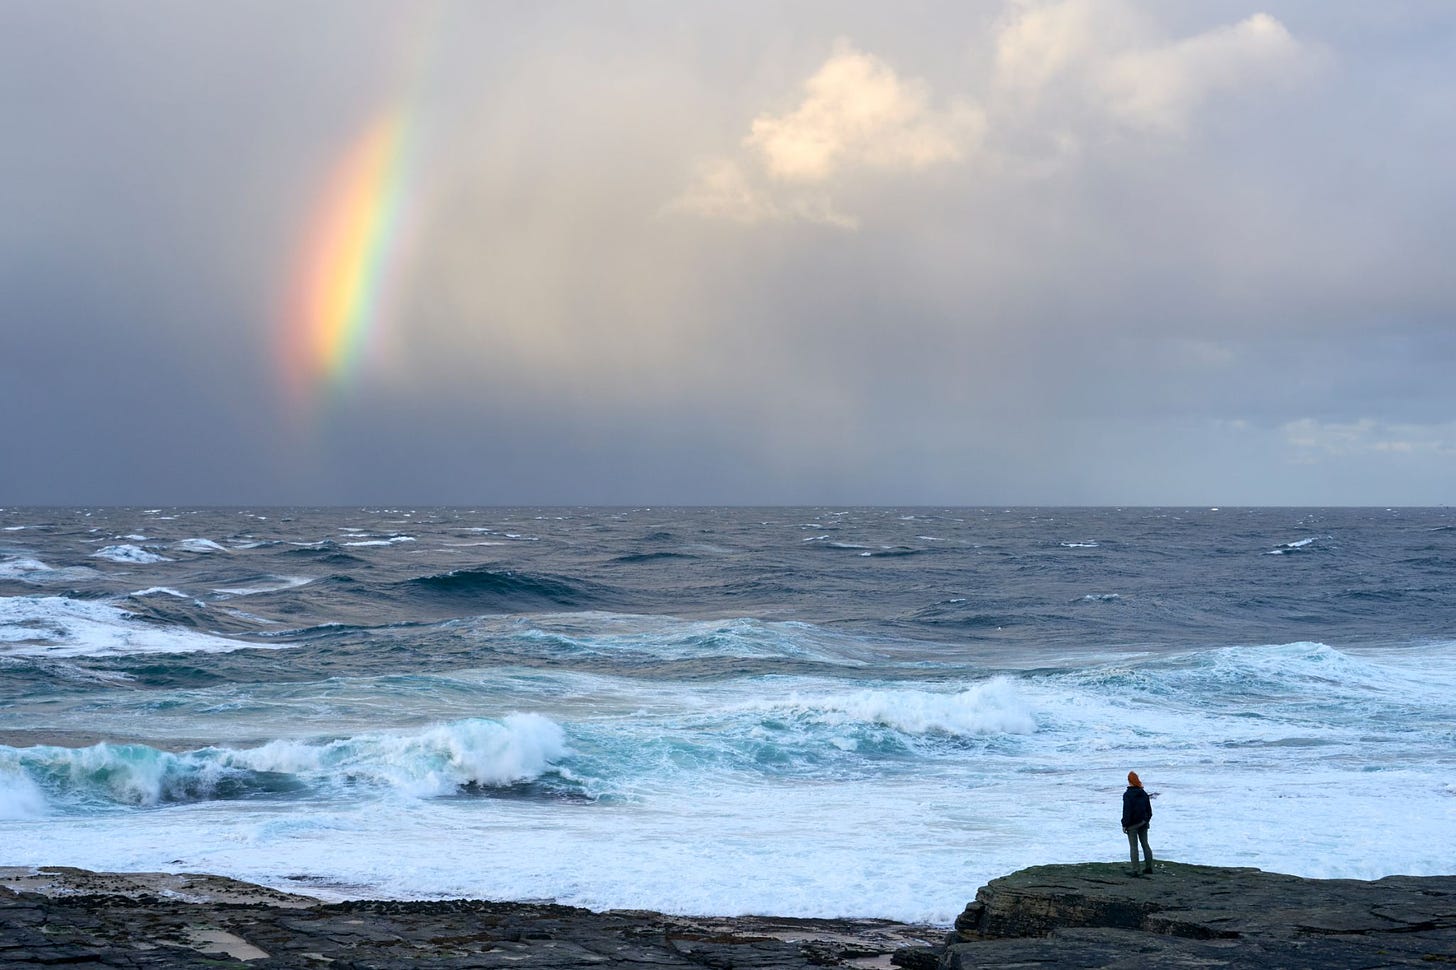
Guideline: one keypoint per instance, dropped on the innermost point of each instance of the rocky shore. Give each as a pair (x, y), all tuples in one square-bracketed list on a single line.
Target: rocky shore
[(1089, 915)]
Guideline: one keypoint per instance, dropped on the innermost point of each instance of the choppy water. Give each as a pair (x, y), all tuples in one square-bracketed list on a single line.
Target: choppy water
[(792, 711)]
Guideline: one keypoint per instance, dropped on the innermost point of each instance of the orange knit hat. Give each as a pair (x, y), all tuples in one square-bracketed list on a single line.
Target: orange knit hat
[(1132, 779)]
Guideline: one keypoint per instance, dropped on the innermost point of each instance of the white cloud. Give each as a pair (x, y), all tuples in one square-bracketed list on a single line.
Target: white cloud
[(1105, 55), (857, 116), (1159, 88), (1039, 43), (1065, 74), (858, 113)]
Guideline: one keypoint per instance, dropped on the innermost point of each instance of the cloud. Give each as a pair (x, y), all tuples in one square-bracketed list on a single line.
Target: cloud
[(724, 190), (858, 113), (857, 117), (1104, 55), (1160, 88), (1063, 73), (1315, 440)]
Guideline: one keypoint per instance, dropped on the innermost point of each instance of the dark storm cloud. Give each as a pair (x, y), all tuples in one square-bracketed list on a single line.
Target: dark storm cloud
[(1082, 251)]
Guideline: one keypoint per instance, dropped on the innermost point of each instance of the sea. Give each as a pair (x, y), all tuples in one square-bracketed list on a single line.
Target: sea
[(791, 711)]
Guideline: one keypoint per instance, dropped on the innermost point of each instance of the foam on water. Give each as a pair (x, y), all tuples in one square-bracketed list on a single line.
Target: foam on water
[(199, 545), (992, 707), (128, 553), (56, 626), (19, 796), (268, 584), (34, 571), (22, 567)]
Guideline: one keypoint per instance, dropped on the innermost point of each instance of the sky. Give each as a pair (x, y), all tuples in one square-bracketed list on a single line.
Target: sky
[(1031, 252)]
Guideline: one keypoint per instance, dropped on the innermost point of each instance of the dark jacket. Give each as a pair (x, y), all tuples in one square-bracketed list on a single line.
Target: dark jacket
[(1137, 808)]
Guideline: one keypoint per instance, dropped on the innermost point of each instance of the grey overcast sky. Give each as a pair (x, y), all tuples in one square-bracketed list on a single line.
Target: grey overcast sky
[(981, 251)]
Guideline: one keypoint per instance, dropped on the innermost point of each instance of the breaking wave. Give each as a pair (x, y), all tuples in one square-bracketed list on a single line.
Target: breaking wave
[(444, 759)]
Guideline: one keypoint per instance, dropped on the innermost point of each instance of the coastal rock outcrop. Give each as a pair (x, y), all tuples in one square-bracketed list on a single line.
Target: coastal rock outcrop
[(1085, 916), (1095, 915), (53, 916)]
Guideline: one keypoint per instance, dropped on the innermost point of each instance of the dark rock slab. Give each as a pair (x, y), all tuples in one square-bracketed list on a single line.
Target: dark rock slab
[(116, 920), (1095, 915)]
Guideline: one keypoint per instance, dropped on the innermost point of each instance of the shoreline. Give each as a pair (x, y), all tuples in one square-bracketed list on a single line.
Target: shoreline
[(157, 920), (1084, 915)]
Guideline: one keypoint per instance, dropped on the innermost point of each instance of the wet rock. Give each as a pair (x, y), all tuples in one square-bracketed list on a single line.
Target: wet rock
[(1095, 915)]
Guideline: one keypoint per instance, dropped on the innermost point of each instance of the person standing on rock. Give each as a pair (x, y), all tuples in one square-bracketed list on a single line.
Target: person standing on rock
[(1137, 813)]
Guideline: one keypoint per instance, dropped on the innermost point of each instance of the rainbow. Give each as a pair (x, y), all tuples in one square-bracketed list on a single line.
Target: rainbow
[(343, 281)]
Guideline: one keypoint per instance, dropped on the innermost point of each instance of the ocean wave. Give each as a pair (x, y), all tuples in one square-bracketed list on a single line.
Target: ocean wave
[(392, 540), (994, 706), (22, 567), (19, 796), (265, 584), (643, 558), (60, 626), (1265, 694), (325, 552), (634, 639), (468, 755), (1297, 546), (29, 570), (503, 590), (128, 553), (199, 545), (892, 552), (162, 591)]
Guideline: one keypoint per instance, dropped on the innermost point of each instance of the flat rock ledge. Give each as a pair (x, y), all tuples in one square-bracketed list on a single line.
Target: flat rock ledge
[(1096, 915), (1091, 915), (62, 917)]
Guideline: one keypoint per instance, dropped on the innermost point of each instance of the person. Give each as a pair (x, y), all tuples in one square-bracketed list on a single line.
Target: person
[(1137, 814)]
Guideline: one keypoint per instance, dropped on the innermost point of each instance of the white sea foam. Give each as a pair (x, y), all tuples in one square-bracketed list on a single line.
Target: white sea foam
[(1297, 545), (28, 570), (270, 584), (163, 591), (19, 796), (992, 707), (56, 626), (393, 540), (128, 553), (22, 567), (199, 545)]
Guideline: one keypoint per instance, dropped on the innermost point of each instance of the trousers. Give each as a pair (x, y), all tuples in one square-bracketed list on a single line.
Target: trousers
[(1135, 835)]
